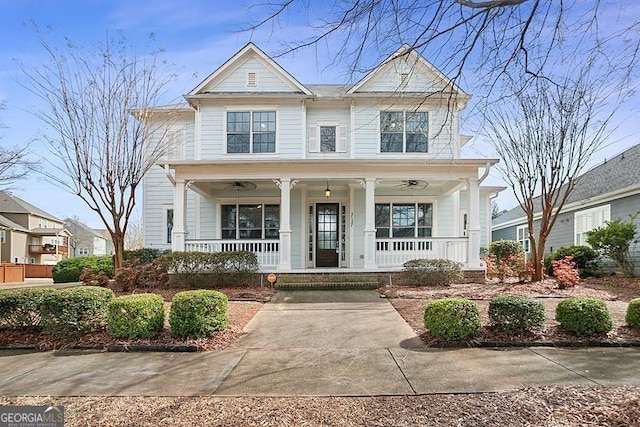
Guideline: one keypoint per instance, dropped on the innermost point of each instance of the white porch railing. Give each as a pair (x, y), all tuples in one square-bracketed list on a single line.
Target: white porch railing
[(267, 251), (395, 252)]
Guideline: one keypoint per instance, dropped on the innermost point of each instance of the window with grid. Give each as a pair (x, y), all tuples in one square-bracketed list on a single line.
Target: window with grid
[(404, 132), (402, 220), (522, 236), (250, 221), (327, 139), (169, 224), (251, 132)]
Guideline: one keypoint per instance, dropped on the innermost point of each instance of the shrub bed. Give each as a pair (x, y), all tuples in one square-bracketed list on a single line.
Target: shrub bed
[(517, 314), (206, 270), (584, 316), (73, 312), (585, 258), (20, 308), (198, 313), (452, 318), (632, 316), (135, 316), (70, 269), (421, 272)]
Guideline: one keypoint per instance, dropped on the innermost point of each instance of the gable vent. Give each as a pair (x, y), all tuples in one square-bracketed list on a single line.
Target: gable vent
[(252, 79), (404, 80)]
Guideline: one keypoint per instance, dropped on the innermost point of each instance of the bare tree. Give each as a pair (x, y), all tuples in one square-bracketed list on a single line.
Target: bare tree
[(97, 146), (14, 164), (545, 139), (488, 37), (135, 234)]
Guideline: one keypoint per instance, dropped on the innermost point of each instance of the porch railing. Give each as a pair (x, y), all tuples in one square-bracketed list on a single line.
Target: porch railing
[(395, 252), (267, 251)]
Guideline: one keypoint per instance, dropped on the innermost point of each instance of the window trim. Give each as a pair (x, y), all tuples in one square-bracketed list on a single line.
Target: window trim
[(404, 132), (385, 201), (251, 111), (237, 205)]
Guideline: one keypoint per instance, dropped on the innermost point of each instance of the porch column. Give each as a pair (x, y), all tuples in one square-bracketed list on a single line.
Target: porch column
[(473, 228), (285, 223), (370, 224), (178, 232)]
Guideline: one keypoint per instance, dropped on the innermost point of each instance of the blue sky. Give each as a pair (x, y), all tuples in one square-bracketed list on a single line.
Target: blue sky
[(198, 36)]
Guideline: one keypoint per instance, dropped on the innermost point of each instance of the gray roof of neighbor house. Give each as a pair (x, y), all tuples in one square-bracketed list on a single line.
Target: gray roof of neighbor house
[(71, 223), (12, 204), (617, 173), (6, 222)]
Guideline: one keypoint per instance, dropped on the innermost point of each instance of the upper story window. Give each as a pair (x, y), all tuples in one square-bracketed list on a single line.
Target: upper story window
[(327, 137), (404, 132), (251, 132), (588, 220), (404, 220)]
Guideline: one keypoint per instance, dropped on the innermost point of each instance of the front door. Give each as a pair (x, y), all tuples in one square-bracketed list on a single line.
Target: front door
[(327, 232)]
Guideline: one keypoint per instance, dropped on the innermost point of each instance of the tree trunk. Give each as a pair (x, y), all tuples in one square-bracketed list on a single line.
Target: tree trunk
[(118, 246), (537, 258)]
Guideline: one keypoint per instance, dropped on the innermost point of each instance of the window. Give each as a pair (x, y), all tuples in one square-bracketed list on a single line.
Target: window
[(251, 132), (250, 221), (82, 251), (169, 224), (588, 220), (402, 220), (403, 132), (327, 139), (3, 236), (522, 236)]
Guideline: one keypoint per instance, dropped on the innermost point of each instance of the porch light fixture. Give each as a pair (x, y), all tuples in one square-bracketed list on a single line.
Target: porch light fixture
[(327, 191)]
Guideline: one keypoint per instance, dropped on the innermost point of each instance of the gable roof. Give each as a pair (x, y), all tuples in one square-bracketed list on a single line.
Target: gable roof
[(418, 60), (12, 204), (248, 50), (613, 175), (71, 223), (7, 223)]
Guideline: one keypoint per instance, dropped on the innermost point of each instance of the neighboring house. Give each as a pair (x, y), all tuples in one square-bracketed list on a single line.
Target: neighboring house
[(29, 235), (87, 241), (363, 176), (607, 192)]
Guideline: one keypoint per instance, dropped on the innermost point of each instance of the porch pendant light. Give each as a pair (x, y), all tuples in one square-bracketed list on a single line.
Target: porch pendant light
[(327, 191)]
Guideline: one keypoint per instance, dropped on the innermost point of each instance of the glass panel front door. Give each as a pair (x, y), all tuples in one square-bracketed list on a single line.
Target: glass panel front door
[(327, 233)]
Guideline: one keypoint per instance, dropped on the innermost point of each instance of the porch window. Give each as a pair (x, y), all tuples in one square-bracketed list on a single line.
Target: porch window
[(169, 224), (402, 220), (251, 132), (404, 132), (250, 221)]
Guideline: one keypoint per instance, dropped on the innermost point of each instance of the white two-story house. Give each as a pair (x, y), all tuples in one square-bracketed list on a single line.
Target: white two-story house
[(313, 177)]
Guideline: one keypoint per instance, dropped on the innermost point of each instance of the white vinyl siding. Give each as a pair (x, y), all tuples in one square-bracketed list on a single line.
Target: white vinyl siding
[(174, 143), (266, 79), (588, 220)]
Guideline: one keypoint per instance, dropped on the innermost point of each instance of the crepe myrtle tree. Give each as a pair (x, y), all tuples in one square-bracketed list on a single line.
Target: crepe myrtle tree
[(14, 163), (94, 105), (545, 135)]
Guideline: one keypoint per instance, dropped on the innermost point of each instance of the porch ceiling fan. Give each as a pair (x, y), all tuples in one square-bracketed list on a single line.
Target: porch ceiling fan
[(413, 184), (242, 185)]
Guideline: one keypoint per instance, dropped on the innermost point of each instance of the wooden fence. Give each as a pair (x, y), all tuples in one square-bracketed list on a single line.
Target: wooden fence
[(38, 271), (11, 273)]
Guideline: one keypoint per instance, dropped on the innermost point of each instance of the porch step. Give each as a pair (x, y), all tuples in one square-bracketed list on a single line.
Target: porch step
[(323, 281)]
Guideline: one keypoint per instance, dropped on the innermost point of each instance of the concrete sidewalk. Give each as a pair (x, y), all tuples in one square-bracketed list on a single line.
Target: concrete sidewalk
[(315, 343)]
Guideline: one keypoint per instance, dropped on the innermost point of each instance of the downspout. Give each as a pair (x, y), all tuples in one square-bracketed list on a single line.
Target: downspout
[(170, 177), (487, 169)]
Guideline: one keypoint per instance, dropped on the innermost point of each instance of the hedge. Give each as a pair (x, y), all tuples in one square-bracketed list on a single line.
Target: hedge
[(69, 313), (584, 316), (202, 270), (420, 272), (70, 269), (633, 313), (452, 318), (198, 313), (517, 314), (136, 316), (20, 308)]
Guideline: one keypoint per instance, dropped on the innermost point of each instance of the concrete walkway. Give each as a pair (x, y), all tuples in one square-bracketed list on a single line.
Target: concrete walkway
[(315, 343)]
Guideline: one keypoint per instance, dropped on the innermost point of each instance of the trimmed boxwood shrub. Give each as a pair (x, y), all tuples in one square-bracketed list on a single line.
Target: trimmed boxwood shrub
[(420, 272), (517, 314), (72, 312), (452, 318), (584, 315), (70, 269), (198, 314), (20, 308), (144, 255), (136, 316), (633, 313)]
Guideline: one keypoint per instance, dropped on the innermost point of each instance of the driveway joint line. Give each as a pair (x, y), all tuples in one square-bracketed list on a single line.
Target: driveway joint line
[(531, 349), (413, 390)]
